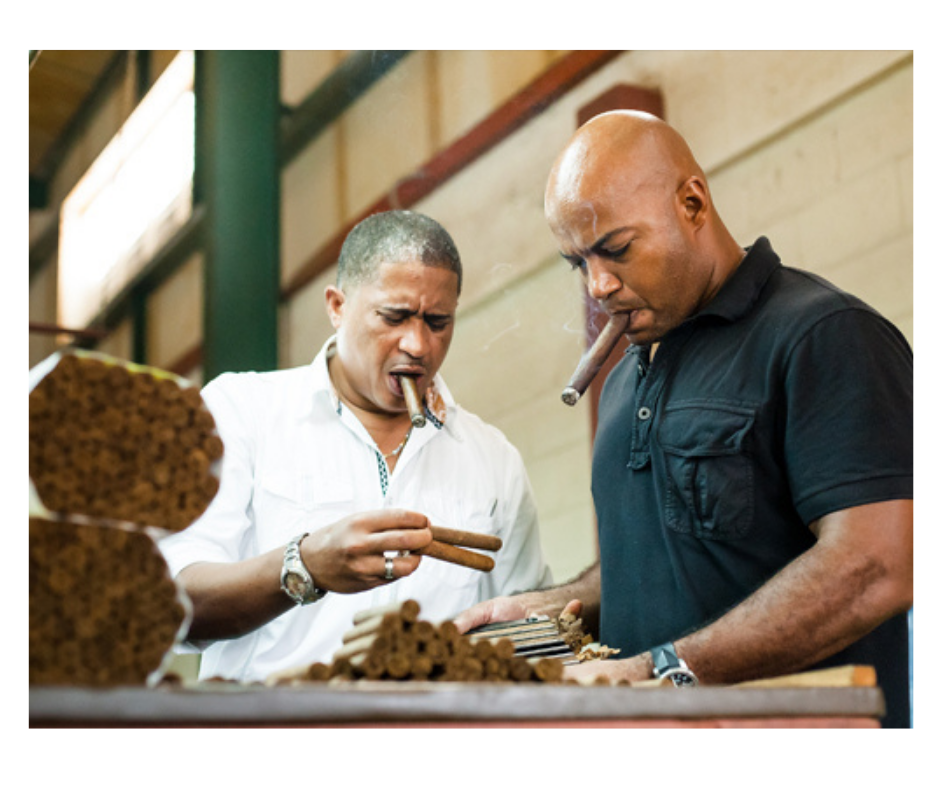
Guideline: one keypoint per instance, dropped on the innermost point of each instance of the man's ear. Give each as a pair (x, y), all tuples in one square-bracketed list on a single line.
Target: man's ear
[(694, 200), (335, 301)]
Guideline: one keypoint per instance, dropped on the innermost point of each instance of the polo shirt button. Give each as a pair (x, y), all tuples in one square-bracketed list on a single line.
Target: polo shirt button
[(644, 413)]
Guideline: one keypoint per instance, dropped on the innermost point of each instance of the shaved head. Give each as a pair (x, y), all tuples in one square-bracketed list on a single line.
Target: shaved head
[(621, 150), (630, 208)]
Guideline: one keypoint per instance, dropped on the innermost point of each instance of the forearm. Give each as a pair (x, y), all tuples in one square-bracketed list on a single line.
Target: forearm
[(816, 606), (231, 600), (584, 589), (858, 575), (801, 616)]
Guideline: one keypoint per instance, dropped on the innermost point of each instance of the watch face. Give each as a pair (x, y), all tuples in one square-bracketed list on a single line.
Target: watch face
[(681, 679), (294, 584)]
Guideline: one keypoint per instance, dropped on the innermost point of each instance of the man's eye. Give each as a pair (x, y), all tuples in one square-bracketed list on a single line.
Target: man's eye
[(438, 324), (392, 320), (616, 253), (576, 263)]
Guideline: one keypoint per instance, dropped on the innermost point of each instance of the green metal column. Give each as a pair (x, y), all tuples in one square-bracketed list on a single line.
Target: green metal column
[(238, 181)]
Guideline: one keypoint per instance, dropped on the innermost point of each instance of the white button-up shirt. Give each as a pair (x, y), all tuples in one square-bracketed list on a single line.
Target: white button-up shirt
[(296, 460)]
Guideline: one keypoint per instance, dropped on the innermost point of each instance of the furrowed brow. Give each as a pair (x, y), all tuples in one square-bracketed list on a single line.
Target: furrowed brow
[(598, 247)]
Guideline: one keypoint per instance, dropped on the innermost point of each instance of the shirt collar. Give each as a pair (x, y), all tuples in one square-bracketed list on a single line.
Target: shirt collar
[(742, 289), (437, 399)]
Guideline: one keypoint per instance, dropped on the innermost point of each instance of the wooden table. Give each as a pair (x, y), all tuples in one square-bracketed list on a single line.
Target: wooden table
[(425, 704)]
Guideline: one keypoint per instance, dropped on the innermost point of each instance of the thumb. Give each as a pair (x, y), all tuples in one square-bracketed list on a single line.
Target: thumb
[(573, 608)]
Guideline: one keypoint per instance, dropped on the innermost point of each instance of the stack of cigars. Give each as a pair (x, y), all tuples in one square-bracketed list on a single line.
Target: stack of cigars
[(393, 643), (119, 455)]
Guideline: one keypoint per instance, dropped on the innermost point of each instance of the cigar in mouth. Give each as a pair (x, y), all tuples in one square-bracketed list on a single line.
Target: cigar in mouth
[(412, 400), (594, 359)]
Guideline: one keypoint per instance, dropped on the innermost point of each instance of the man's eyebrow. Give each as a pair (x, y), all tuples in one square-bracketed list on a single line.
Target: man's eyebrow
[(598, 246), (402, 311)]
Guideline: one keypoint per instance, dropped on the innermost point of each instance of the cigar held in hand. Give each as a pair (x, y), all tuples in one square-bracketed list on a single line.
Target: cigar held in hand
[(448, 545), (459, 556)]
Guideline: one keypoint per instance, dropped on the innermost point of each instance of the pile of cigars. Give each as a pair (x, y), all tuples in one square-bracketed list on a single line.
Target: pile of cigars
[(119, 456), (393, 644)]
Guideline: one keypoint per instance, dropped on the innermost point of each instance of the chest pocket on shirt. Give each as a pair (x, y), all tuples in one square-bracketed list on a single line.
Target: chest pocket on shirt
[(709, 476), (287, 503)]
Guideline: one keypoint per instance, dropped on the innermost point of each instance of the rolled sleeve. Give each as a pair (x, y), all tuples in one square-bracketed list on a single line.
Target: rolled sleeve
[(849, 437)]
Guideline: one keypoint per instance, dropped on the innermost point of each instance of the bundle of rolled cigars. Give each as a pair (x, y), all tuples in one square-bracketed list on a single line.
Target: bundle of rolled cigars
[(103, 610), (119, 454), (108, 439), (392, 643)]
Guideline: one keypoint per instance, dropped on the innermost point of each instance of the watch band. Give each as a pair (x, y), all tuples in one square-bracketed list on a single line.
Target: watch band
[(668, 664), (296, 580)]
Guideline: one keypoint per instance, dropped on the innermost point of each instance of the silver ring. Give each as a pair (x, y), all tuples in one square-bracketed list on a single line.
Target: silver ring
[(389, 568)]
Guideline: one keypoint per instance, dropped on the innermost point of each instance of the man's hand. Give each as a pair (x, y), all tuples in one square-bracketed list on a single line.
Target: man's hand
[(580, 597), (348, 556), (232, 599), (638, 668), (509, 608)]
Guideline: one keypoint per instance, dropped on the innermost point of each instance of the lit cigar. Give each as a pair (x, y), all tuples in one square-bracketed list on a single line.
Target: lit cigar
[(412, 400), (594, 359)]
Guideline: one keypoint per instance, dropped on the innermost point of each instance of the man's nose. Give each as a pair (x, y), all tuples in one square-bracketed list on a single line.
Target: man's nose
[(601, 283), (414, 338)]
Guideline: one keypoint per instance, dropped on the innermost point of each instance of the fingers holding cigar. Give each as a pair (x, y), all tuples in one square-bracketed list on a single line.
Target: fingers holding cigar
[(449, 544), (348, 555), (442, 552), (371, 549)]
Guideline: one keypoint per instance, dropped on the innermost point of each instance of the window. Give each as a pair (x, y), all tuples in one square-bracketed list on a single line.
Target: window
[(133, 198)]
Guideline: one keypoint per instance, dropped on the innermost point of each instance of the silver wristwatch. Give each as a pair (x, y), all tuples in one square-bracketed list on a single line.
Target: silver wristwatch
[(668, 665), (296, 581)]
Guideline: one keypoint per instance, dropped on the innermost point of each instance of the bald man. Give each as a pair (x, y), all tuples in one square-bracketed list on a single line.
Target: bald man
[(753, 464)]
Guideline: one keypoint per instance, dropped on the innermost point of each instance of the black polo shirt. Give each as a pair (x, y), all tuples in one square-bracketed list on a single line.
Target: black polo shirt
[(783, 400)]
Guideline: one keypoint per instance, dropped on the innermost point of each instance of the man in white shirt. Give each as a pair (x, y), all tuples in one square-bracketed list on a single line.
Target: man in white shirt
[(327, 489)]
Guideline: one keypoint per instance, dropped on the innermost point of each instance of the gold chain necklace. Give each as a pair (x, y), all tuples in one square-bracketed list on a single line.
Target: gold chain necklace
[(395, 452)]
